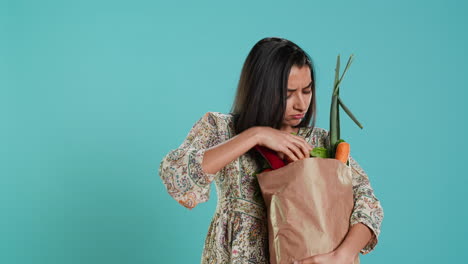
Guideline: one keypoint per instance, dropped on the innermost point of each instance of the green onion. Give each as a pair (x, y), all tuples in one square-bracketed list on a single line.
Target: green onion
[(336, 102)]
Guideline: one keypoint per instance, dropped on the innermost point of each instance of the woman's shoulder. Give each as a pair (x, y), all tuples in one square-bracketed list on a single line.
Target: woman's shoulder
[(317, 136), (219, 115), (217, 118), (309, 130), (221, 122)]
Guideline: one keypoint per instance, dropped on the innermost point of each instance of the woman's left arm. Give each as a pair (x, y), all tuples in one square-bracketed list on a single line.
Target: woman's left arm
[(366, 217), (358, 236), (365, 222), (367, 208)]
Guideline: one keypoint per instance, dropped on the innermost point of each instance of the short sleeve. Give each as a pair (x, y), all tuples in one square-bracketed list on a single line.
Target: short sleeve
[(181, 169), (367, 208)]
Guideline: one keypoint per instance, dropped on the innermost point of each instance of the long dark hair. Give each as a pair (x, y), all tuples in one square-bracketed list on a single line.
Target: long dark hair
[(262, 90)]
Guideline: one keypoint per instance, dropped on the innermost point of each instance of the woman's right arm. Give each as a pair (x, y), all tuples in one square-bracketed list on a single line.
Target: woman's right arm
[(219, 156), (181, 169), (187, 172)]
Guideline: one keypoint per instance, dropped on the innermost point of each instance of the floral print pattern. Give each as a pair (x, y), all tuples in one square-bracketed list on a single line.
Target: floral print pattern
[(238, 231)]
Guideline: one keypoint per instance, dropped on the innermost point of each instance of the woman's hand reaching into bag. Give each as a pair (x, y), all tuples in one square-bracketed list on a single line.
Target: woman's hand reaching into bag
[(287, 145)]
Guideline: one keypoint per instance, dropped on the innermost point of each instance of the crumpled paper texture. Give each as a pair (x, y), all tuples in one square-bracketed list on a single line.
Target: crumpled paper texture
[(309, 204)]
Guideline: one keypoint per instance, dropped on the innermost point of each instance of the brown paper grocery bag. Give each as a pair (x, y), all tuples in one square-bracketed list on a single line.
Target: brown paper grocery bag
[(309, 204)]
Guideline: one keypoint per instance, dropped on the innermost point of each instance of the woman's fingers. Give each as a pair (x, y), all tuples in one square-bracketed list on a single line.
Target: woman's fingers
[(305, 149), (303, 145), (296, 150), (292, 146), (330, 257), (290, 154), (309, 260)]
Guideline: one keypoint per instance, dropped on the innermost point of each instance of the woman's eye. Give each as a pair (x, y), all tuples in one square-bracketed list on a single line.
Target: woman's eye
[(307, 92)]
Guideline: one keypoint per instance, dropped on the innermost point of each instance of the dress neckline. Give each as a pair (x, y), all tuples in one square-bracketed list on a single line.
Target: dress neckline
[(299, 131)]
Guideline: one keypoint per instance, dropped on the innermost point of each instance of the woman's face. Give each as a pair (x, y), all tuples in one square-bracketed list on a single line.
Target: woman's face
[(298, 96)]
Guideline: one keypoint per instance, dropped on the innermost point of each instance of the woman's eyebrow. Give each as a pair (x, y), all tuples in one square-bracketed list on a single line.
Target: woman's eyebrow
[(308, 86)]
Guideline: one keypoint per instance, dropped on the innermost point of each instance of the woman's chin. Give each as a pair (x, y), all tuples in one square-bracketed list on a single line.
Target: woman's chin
[(295, 122), (292, 123)]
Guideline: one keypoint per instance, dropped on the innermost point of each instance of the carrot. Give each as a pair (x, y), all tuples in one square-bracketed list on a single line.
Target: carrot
[(342, 152)]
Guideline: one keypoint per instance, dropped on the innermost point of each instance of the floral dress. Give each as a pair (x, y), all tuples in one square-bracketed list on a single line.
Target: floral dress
[(238, 232)]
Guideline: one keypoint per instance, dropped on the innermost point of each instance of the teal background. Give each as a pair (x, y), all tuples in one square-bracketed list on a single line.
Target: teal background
[(93, 94)]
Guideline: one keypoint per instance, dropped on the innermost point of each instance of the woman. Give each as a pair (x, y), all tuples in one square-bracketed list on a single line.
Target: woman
[(275, 96)]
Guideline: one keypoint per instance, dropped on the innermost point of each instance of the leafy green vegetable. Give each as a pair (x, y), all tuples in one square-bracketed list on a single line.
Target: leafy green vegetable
[(319, 152)]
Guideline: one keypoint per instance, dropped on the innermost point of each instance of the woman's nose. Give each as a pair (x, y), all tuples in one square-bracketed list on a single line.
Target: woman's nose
[(301, 103)]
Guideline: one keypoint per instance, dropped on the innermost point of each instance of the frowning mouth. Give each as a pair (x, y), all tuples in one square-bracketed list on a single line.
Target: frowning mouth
[(298, 116)]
